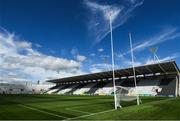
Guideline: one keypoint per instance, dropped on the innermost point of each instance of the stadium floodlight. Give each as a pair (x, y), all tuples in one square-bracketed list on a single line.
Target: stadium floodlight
[(134, 71), (154, 50), (112, 57)]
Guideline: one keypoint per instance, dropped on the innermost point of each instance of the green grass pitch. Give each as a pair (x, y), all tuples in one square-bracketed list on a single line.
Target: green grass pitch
[(59, 107)]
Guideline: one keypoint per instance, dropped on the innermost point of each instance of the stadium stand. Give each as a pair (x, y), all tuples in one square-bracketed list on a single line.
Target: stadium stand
[(53, 89), (7, 88), (59, 88), (165, 81), (67, 88), (152, 80), (97, 86), (128, 83), (76, 88), (147, 87), (106, 90), (84, 89), (167, 87)]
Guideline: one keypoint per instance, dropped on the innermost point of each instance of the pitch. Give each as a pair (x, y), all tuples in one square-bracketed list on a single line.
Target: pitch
[(65, 107)]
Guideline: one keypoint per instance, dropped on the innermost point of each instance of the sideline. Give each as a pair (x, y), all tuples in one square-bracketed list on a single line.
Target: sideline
[(45, 112)]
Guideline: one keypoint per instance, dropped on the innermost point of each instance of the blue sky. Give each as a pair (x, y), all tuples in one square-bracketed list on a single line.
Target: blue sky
[(58, 38)]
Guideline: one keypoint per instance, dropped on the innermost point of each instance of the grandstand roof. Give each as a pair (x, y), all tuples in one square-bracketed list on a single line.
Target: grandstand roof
[(164, 68)]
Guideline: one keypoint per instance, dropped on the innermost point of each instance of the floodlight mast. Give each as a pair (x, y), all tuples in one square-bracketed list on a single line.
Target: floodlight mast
[(112, 57), (134, 71), (154, 50)]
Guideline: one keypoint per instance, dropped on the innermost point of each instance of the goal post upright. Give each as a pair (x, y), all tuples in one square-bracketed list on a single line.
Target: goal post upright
[(112, 57), (134, 71)]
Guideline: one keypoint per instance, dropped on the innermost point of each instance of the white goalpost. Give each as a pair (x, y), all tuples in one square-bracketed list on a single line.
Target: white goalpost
[(134, 71), (112, 57), (118, 90), (125, 94)]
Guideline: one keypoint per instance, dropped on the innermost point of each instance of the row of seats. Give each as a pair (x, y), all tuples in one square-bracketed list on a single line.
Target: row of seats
[(168, 87), (84, 89), (144, 87)]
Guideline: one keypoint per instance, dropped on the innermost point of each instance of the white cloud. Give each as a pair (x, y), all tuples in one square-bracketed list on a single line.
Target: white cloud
[(132, 1), (74, 51), (106, 10), (92, 54), (77, 56), (20, 62), (167, 34), (100, 67), (127, 62), (52, 51), (38, 45), (100, 49), (163, 36), (99, 18), (168, 58), (81, 58), (104, 56)]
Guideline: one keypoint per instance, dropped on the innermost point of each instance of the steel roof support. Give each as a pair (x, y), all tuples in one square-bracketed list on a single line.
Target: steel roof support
[(178, 84)]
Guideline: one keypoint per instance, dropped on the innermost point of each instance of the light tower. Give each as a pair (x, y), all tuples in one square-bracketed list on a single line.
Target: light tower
[(154, 51)]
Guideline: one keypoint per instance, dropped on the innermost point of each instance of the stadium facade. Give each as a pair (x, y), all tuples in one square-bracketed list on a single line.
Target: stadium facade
[(24, 88), (160, 79)]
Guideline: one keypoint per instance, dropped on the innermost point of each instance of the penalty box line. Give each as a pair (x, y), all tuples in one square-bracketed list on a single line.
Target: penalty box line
[(70, 109), (45, 112), (92, 114)]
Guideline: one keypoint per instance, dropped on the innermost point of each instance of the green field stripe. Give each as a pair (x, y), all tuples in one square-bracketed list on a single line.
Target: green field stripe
[(92, 114), (78, 111), (45, 112), (70, 107)]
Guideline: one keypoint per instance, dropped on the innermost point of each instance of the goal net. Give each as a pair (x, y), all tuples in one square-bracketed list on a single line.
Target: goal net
[(125, 94)]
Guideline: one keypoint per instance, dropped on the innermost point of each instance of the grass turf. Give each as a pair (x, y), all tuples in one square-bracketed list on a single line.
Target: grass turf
[(59, 107)]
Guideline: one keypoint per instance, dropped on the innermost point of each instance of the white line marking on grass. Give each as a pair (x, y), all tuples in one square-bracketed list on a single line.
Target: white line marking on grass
[(78, 111), (52, 114), (90, 114)]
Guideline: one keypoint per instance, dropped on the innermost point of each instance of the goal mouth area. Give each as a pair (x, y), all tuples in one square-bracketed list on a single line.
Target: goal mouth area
[(125, 94)]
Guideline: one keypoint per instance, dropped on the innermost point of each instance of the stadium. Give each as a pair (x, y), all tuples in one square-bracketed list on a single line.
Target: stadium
[(77, 60), (91, 96), (161, 79)]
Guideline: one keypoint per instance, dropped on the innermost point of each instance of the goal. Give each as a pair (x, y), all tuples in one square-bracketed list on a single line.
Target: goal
[(125, 94)]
